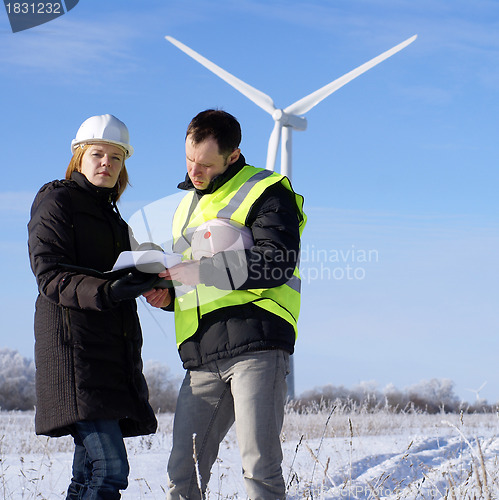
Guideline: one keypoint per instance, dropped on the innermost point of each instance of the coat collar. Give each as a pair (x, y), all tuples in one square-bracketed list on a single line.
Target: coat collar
[(107, 194)]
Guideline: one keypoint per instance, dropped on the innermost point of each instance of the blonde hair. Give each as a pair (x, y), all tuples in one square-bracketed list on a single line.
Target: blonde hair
[(75, 166)]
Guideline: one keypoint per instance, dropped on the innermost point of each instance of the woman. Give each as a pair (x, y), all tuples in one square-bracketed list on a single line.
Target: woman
[(88, 340)]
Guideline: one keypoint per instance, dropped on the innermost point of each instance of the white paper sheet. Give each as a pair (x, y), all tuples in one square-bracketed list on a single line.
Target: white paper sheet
[(144, 260)]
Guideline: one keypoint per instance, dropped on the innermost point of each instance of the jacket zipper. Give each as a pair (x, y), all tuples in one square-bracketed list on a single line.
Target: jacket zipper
[(66, 322)]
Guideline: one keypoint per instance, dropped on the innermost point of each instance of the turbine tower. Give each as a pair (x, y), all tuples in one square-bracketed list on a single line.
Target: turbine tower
[(288, 118)]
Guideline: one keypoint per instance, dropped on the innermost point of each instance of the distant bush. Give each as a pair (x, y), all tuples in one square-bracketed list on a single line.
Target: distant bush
[(432, 396), (17, 381), (163, 388), (429, 396)]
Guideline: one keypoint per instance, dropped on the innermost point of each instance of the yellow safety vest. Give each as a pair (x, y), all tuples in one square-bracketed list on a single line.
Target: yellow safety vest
[(233, 201)]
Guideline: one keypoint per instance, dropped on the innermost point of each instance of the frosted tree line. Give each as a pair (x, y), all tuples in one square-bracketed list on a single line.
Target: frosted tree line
[(17, 392)]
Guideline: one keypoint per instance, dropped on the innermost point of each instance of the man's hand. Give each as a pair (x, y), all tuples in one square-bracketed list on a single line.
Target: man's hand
[(159, 297), (186, 273)]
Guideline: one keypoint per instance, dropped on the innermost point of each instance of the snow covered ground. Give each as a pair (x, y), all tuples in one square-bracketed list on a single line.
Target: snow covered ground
[(327, 455)]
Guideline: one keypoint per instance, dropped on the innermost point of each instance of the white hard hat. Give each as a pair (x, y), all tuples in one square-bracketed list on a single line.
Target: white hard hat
[(219, 235), (103, 128)]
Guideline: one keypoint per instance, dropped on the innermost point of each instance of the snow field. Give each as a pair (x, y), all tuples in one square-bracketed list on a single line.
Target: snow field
[(328, 454)]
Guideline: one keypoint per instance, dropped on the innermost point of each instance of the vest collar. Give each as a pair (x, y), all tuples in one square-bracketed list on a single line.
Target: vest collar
[(218, 181)]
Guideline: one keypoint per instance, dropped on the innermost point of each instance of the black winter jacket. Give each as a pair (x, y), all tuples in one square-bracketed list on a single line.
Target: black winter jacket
[(87, 348), (235, 330)]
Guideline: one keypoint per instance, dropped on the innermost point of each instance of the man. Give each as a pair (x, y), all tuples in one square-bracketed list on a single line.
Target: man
[(235, 311)]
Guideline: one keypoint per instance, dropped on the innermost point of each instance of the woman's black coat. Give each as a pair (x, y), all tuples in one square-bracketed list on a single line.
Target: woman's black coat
[(87, 348)]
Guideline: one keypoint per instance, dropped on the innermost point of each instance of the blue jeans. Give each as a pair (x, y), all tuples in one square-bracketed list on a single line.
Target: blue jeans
[(249, 390), (100, 464)]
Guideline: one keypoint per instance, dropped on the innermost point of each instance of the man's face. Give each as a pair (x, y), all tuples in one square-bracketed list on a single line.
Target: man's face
[(204, 161)]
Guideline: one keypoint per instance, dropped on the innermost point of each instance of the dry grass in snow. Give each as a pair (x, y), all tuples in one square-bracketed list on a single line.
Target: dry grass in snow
[(329, 453)]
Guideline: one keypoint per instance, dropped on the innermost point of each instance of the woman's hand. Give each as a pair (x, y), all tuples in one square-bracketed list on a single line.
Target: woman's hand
[(131, 285), (158, 297)]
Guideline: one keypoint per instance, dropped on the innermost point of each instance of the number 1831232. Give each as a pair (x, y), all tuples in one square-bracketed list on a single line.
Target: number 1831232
[(34, 8)]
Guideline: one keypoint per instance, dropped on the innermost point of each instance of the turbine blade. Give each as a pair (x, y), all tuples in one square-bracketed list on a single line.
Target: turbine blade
[(274, 140), (307, 103), (259, 98)]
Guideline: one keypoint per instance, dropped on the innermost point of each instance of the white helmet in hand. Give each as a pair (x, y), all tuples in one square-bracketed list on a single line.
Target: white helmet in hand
[(219, 235), (103, 129)]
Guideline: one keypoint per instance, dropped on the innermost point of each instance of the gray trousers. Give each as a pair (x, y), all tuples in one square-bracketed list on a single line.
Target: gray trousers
[(249, 390)]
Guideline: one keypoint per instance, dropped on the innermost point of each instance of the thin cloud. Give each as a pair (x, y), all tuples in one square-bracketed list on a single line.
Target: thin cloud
[(70, 47), (16, 202), (329, 223)]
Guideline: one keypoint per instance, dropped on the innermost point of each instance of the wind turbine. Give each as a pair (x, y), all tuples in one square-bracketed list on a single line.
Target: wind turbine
[(477, 391), (288, 118)]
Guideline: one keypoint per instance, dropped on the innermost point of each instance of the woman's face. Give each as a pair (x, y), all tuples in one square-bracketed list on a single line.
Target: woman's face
[(101, 164)]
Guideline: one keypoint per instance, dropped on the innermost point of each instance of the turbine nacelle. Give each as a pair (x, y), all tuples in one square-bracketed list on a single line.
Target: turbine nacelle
[(289, 120)]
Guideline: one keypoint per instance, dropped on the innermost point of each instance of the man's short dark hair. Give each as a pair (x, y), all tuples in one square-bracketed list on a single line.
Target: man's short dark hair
[(220, 125)]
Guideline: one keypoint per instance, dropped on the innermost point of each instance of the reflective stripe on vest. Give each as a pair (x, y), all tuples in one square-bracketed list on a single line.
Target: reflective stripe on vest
[(233, 200)]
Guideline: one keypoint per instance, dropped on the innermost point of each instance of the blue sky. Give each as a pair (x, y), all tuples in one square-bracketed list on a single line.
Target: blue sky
[(398, 168)]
